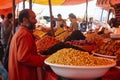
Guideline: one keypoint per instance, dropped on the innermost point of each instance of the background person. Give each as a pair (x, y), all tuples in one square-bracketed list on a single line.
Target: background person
[(60, 21), (6, 28), (74, 24)]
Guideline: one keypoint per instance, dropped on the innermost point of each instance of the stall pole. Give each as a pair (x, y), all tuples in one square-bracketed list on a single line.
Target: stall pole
[(30, 4), (13, 13), (86, 10), (109, 11), (24, 4), (51, 18), (87, 15), (101, 15)]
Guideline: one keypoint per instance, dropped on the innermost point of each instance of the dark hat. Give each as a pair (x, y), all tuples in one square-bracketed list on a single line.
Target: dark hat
[(9, 16), (59, 15), (72, 15)]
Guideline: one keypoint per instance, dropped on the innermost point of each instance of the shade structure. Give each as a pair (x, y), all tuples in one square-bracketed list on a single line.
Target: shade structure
[(6, 6), (6, 11), (107, 3), (7, 3), (60, 2)]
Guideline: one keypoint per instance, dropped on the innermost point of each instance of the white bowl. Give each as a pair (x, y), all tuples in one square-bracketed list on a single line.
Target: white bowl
[(116, 36), (80, 72), (104, 56)]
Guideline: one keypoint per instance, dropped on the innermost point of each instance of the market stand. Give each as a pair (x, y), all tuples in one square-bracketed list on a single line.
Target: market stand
[(107, 74)]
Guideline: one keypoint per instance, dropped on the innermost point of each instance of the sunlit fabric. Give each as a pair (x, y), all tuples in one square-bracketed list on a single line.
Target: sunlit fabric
[(60, 2), (74, 2), (45, 2), (6, 5)]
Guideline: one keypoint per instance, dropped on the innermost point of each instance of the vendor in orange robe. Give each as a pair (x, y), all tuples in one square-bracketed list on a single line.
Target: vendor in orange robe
[(23, 57)]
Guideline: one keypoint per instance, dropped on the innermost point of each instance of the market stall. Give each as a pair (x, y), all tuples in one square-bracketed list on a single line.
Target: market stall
[(112, 6), (105, 47), (74, 50)]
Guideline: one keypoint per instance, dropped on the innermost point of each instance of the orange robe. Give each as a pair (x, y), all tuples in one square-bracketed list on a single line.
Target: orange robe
[(23, 58)]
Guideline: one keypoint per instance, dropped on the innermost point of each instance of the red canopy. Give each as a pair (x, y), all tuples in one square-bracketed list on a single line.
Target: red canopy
[(7, 3), (6, 11), (6, 6)]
